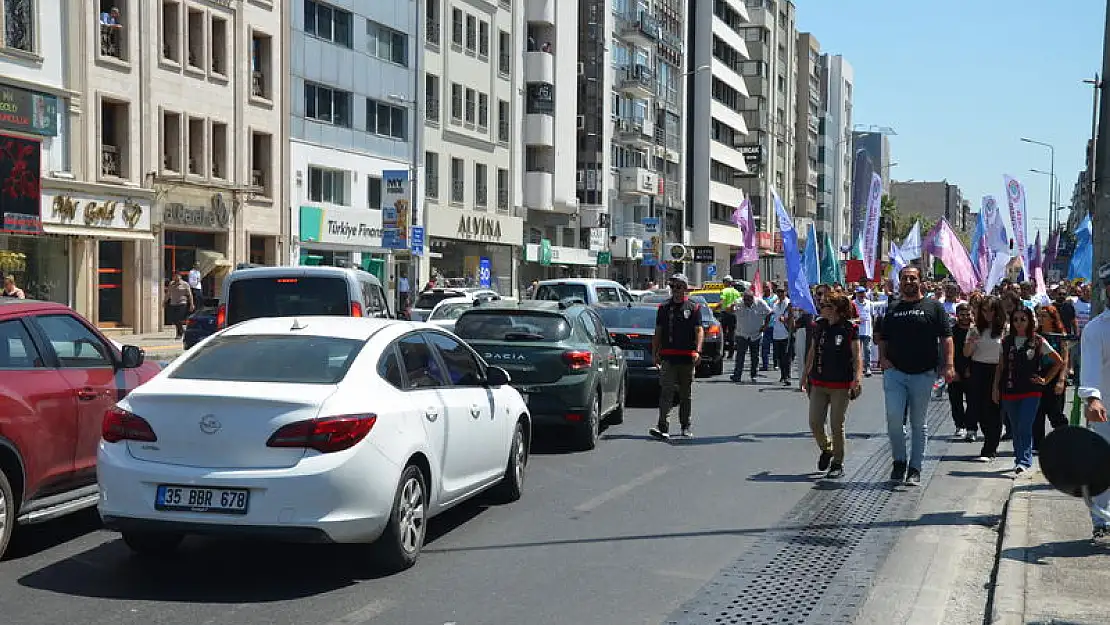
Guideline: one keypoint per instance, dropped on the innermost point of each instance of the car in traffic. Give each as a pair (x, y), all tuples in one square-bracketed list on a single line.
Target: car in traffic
[(309, 429), (58, 376), (201, 324), (712, 347), (257, 292), (633, 327), (589, 290), (561, 359), (448, 311), (428, 299)]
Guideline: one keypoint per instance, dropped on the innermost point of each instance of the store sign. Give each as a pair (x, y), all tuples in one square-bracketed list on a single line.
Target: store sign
[(604, 258), (354, 227), (598, 238), (753, 154), (28, 111), (21, 224), (216, 216), (395, 208), (703, 253), (20, 180), (479, 227), (78, 209)]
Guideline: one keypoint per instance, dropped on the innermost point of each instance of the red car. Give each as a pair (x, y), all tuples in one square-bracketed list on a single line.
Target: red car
[(58, 376)]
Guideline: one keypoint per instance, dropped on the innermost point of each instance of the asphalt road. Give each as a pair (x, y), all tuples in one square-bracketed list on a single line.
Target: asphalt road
[(624, 534)]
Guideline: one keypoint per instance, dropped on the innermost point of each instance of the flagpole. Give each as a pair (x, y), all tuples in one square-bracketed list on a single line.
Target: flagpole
[(1100, 212)]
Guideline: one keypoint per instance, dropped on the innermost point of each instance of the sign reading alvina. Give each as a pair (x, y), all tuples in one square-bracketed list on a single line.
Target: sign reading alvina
[(477, 227)]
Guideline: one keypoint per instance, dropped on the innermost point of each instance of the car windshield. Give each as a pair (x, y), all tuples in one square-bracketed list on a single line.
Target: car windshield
[(450, 312), (286, 359), (637, 317), (429, 299), (512, 325), (251, 298), (561, 291)]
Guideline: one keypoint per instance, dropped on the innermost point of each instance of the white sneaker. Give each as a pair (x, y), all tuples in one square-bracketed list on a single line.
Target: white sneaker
[(984, 459), (961, 432)]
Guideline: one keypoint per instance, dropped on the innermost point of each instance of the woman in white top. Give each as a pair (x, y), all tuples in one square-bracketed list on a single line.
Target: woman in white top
[(984, 348)]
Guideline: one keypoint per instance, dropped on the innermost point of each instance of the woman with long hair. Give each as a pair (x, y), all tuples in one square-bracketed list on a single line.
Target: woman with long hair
[(831, 378), (1019, 381), (1051, 409), (983, 346)]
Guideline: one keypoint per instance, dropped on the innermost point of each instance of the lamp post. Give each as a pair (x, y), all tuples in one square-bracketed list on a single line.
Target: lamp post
[(1054, 191), (1052, 173)]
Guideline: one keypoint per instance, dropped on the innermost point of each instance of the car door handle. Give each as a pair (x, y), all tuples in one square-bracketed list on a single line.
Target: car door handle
[(431, 414), (87, 394)]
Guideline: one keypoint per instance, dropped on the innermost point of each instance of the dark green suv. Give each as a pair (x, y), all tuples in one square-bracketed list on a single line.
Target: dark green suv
[(560, 357)]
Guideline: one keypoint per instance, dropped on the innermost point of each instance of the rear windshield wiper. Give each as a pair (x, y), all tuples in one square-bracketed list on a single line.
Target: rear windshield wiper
[(523, 336)]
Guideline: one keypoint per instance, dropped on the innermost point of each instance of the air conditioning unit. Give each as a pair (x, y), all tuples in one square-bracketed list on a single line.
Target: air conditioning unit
[(676, 252), (581, 68), (581, 122)]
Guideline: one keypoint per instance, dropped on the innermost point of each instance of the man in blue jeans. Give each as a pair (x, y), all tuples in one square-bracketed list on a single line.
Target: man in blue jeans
[(911, 331)]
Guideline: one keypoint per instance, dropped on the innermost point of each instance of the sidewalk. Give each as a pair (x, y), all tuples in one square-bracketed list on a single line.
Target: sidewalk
[(160, 346), (1049, 571)]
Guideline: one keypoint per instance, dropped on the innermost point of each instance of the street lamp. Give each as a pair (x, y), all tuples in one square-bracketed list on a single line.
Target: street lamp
[(1052, 172)]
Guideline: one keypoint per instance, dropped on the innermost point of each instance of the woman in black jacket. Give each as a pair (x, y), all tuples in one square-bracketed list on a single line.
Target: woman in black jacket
[(831, 378)]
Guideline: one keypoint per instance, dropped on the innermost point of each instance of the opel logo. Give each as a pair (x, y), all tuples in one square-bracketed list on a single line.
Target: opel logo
[(209, 424)]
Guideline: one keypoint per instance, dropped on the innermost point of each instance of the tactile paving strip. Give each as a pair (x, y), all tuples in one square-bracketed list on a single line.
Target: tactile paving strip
[(818, 564)]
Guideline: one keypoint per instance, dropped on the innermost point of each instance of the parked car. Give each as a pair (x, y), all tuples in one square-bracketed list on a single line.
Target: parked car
[(589, 290), (300, 291), (58, 376), (561, 358), (202, 323), (427, 300), (336, 429), (712, 347)]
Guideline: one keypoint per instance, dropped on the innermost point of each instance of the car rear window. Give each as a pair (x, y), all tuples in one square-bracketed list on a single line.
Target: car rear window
[(512, 325), (637, 317), (428, 301), (712, 297), (287, 359), (557, 292), (450, 311), (251, 298)]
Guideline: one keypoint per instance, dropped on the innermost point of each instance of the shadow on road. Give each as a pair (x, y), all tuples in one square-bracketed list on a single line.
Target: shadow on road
[(31, 540)]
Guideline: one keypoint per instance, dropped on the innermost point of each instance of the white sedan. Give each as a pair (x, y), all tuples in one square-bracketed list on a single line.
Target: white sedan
[(330, 429), (447, 312)]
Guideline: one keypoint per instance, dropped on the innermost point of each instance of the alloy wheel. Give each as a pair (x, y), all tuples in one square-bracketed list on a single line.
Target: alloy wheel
[(412, 515), (520, 459)]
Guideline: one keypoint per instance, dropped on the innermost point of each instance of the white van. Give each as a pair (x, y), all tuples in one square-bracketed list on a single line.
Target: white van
[(300, 291)]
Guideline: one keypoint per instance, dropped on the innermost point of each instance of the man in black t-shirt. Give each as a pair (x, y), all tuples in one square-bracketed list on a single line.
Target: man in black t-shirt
[(1066, 310), (676, 350), (911, 330)]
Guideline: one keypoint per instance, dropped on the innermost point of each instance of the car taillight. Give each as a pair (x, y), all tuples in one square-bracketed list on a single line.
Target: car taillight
[(221, 316), (120, 425), (326, 435), (356, 309), (578, 360), (714, 330)]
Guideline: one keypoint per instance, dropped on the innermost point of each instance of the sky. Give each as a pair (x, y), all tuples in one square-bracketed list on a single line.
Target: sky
[(961, 81)]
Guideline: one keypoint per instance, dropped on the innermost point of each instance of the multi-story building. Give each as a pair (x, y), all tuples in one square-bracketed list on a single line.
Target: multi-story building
[(835, 191), (876, 148), (933, 200), (471, 52), (720, 111), (354, 101), (807, 117)]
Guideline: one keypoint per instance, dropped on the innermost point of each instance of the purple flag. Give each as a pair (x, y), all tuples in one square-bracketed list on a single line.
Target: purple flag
[(1036, 259), (983, 256), (1051, 249), (744, 220), (943, 243)]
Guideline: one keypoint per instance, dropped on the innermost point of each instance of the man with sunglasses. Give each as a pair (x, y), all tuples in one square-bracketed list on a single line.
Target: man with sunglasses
[(676, 350)]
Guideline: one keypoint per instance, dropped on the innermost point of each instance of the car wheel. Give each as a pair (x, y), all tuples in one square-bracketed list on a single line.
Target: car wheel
[(153, 543), (7, 513), (512, 484), (719, 367), (617, 416), (588, 430), (400, 544)]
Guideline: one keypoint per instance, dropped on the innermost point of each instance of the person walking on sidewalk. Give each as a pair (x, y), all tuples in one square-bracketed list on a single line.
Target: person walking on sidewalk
[(730, 297), (676, 350), (751, 321), (1094, 378), (781, 330), (831, 379), (911, 331), (958, 388), (179, 302), (1051, 408), (866, 311), (983, 346), (1019, 381)]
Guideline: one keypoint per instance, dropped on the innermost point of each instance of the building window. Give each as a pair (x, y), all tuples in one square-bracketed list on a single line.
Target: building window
[(458, 181), (502, 121), (483, 110), (483, 39), (540, 98), (456, 102), (219, 150), (431, 98), (219, 46), (171, 32), (19, 24), (504, 53), (456, 27), (196, 146), (194, 43), (386, 120), (327, 105), (261, 55), (374, 192), (431, 22), (171, 142), (387, 44), (480, 181), (327, 22), (470, 106), (471, 34), (503, 190), (113, 35), (115, 139), (261, 163), (327, 186), (431, 175)]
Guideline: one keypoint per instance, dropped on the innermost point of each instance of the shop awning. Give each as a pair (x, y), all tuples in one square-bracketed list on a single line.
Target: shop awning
[(215, 263), (100, 233)]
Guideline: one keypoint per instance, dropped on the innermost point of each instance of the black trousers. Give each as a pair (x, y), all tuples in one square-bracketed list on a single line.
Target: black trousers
[(957, 395), (982, 412), (749, 347), (782, 357), (1051, 409), (728, 329)]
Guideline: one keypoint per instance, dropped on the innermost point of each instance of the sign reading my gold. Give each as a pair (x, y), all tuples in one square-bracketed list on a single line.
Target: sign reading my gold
[(479, 227), (97, 213)]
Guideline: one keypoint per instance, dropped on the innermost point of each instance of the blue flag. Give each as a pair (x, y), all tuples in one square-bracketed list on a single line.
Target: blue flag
[(1083, 258), (796, 283), (812, 262)]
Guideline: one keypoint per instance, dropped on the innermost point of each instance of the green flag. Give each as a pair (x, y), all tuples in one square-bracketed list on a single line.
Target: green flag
[(830, 269)]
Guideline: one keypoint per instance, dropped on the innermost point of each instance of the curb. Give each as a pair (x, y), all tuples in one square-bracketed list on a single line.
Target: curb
[(1010, 583)]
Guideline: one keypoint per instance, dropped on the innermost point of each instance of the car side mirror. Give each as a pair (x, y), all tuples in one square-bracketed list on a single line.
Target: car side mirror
[(133, 357), (496, 376)]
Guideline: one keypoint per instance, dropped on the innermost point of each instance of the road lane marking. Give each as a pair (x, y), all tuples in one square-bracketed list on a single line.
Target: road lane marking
[(623, 489), (365, 614)]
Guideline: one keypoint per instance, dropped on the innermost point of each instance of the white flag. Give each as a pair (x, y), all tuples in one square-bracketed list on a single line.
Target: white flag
[(911, 246)]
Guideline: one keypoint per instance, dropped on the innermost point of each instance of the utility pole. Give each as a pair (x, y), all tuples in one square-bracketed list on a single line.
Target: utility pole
[(1100, 213)]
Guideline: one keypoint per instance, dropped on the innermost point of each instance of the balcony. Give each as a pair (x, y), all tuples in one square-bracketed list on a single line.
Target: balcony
[(111, 41), (502, 200), (539, 130), (258, 179), (539, 12), (539, 190), (634, 132), (110, 162), (671, 41), (639, 28), (539, 67), (258, 84), (432, 32), (638, 181), (814, 95), (637, 81)]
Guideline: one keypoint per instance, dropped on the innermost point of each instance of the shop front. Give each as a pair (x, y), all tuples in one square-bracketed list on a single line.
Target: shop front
[(549, 262), (37, 262), (469, 248), (197, 231), (342, 237)]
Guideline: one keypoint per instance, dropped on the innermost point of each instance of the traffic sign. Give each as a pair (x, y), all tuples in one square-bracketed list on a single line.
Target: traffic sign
[(711, 271)]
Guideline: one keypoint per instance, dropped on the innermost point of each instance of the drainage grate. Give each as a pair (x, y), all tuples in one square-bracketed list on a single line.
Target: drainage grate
[(817, 565)]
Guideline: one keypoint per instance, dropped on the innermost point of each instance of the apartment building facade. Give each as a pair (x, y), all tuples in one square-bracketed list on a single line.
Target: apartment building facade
[(933, 200), (834, 211), (807, 131), (472, 51)]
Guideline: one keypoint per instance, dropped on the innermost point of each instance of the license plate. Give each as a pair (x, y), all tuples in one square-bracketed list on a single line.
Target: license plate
[(210, 500), (634, 354)]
